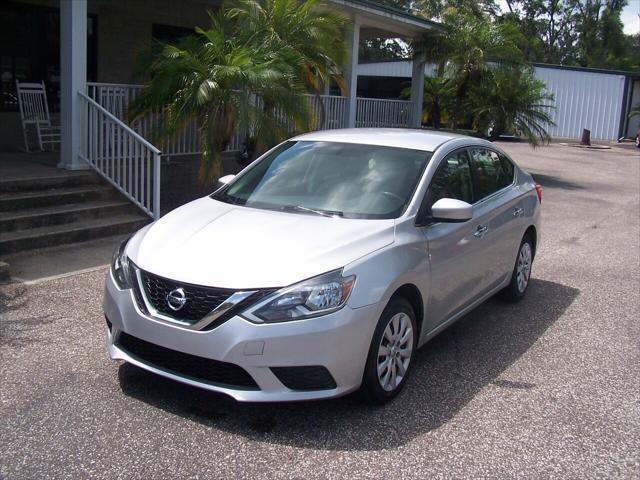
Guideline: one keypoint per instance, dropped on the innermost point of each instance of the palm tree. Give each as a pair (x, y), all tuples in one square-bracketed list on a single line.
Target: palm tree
[(470, 47), (511, 100), (438, 98), (307, 33), (635, 112), (439, 93), (246, 73)]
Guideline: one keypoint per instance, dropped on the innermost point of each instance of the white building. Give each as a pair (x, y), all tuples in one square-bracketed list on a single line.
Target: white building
[(599, 100)]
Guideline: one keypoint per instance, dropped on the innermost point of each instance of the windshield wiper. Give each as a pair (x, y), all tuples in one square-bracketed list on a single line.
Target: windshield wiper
[(324, 213)]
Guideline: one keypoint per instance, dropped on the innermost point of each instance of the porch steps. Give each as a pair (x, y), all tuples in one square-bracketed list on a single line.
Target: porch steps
[(71, 232), (56, 215), (66, 179), (54, 196), (64, 208)]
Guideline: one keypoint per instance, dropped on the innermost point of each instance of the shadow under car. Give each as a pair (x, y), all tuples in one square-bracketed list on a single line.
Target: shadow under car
[(448, 372)]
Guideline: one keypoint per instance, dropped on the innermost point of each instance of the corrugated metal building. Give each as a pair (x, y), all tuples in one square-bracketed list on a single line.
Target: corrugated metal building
[(584, 98)]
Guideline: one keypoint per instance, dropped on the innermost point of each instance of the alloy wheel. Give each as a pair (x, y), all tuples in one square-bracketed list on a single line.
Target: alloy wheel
[(523, 268), (394, 352)]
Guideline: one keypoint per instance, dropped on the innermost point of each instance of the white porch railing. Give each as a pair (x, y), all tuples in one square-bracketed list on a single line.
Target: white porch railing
[(377, 112), (335, 108), (117, 97), (371, 112), (121, 156)]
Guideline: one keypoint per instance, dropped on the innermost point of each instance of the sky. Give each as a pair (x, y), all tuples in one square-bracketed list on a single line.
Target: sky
[(629, 16)]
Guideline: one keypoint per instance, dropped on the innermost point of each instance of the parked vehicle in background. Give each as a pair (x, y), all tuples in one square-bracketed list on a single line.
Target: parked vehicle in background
[(322, 266)]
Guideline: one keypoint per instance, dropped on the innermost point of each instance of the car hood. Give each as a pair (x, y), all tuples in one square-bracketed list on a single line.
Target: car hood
[(208, 242)]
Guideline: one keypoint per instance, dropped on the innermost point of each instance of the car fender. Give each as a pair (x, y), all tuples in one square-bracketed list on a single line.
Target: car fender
[(381, 273)]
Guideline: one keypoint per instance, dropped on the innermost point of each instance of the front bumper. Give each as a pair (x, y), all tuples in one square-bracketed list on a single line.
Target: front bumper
[(338, 341)]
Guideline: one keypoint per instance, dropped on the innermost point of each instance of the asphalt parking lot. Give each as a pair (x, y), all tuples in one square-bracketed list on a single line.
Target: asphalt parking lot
[(546, 388)]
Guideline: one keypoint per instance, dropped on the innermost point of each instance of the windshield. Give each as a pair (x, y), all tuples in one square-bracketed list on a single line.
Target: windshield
[(331, 179)]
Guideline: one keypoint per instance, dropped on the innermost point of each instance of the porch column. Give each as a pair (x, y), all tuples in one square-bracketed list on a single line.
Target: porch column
[(417, 89), (73, 73), (351, 72)]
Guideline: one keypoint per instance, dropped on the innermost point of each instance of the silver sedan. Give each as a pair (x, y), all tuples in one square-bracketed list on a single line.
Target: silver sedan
[(321, 267)]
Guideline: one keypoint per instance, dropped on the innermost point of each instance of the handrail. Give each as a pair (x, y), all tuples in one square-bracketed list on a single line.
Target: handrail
[(115, 85), (121, 156), (119, 122), (390, 100)]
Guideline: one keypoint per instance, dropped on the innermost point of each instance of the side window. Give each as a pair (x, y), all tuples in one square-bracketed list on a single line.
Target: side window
[(507, 172), (493, 172), (452, 180)]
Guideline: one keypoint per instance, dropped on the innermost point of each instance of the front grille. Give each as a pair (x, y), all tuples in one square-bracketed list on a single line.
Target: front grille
[(200, 300), (196, 368), (305, 378)]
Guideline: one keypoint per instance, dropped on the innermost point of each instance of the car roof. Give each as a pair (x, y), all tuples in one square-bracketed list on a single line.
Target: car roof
[(426, 140)]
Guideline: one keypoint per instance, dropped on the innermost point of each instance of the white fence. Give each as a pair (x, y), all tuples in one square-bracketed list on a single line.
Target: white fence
[(121, 156), (335, 107), (117, 97), (371, 112), (377, 112)]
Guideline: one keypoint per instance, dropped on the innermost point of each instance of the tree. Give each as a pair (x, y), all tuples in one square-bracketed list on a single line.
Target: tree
[(310, 39), (437, 8), (438, 99), (390, 48), (383, 49), (511, 100), (586, 33), (246, 72), (471, 47), (439, 96), (482, 81)]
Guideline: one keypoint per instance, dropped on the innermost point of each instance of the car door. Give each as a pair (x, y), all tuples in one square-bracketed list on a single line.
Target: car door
[(455, 249), (498, 210)]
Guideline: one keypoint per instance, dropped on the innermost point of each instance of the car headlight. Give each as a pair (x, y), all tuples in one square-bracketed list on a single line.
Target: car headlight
[(120, 267), (317, 296)]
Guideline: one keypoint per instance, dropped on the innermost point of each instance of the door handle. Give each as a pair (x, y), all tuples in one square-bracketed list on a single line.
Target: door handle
[(517, 211), (480, 231)]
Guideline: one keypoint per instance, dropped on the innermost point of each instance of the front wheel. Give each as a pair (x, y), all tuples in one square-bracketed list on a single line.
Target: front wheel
[(521, 275), (391, 352)]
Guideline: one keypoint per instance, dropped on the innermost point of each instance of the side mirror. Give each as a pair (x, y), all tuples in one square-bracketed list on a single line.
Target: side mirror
[(222, 181), (451, 210)]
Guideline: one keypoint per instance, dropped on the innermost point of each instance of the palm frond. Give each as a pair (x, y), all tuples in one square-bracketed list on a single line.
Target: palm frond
[(245, 73)]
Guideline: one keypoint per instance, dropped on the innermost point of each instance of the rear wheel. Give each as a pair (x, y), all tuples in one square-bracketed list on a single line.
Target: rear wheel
[(391, 352), (521, 275)]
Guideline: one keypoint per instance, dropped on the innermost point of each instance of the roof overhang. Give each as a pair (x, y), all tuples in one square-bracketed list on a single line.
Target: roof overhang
[(383, 19)]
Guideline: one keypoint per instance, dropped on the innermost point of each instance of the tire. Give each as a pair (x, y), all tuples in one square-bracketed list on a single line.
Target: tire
[(396, 319), (517, 288)]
